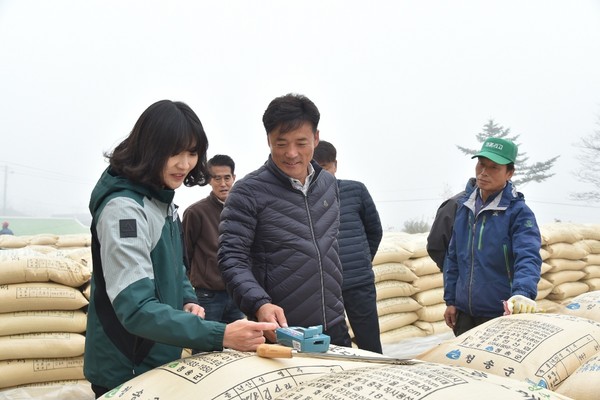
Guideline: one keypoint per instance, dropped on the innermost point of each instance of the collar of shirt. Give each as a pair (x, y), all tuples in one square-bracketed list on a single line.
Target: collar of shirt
[(296, 184), (479, 204)]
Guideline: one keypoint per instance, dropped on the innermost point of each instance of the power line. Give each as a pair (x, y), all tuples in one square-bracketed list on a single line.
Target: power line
[(44, 174)]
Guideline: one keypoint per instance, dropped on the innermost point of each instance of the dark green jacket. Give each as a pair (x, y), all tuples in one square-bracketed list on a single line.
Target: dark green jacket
[(136, 320)]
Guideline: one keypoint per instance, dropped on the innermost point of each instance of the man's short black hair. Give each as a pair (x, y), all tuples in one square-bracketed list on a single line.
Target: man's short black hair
[(222, 160), (325, 152), (289, 112)]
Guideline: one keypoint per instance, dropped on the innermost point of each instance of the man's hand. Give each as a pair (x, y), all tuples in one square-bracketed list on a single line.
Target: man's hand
[(518, 304), (450, 316), (271, 313), (194, 309), (244, 335)]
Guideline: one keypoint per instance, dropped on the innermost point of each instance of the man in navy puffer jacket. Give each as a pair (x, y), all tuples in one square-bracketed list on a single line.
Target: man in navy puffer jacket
[(278, 249), (360, 235)]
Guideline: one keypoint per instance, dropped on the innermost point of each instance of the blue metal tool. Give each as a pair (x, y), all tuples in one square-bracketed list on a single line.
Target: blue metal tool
[(306, 340)]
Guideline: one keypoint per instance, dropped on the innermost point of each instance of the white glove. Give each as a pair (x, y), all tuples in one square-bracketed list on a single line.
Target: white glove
[(519, 304)]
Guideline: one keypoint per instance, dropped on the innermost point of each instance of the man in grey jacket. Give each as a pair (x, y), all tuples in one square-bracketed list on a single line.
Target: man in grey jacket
[(278, 249)]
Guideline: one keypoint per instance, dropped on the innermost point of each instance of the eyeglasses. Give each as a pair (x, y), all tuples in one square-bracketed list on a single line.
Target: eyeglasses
[(221, 178)]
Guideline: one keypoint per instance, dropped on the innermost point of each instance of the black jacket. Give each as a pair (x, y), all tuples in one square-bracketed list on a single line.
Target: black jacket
[(441, 229), (278, 246), (360, 233)]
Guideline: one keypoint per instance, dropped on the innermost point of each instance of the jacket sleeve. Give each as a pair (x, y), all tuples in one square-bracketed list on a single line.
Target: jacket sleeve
[(192, 227), (129, 276), (236, 237), (526, 244), (371, 221), (441, 231), (450, 271), (189, 294)]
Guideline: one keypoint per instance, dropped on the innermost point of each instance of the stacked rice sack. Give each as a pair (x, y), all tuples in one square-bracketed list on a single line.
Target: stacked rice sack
[(238, 375), (571, 262), (544, 349), (409, 288), (42, 309)]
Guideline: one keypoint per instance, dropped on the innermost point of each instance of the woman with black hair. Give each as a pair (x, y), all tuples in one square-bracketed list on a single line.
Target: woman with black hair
[(143, 310)]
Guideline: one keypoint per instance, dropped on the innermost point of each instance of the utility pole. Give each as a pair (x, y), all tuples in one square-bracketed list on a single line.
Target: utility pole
[(5, 187)]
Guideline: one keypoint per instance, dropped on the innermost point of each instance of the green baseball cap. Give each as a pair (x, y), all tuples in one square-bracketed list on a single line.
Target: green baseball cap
[(500, 151)]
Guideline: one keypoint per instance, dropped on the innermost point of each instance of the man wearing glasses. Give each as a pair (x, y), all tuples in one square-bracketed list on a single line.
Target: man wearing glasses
[(201, 233)]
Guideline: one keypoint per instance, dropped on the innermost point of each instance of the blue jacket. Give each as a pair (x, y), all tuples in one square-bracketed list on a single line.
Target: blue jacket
[(492, 255), (278, 246), (360, 233)]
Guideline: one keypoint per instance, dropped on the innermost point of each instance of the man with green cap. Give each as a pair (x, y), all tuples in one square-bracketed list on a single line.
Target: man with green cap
[(494, 253)]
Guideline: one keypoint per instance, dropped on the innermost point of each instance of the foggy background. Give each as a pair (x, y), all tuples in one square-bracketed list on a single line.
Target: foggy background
[(399, 84)]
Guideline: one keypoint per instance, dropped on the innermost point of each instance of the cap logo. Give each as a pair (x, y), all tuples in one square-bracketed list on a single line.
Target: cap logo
[(494, 145)]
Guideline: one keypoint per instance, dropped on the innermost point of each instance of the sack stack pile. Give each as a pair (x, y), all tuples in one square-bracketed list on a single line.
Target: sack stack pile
[(571, 262), (42, 309), (409, 288)]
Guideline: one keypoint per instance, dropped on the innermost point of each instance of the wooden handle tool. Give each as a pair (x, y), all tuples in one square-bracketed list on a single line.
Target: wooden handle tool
[(278, 351)]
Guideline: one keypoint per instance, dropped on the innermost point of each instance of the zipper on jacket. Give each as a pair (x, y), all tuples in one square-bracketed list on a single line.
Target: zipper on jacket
[(510, 280), (312, 232), (473, 224), (481, 233)]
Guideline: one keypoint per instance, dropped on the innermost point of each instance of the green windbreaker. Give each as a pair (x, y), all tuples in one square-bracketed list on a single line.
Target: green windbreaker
[(136, 320)]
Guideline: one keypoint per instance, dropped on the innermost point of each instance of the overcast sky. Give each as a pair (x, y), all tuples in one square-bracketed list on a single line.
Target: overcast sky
[(399, 84)]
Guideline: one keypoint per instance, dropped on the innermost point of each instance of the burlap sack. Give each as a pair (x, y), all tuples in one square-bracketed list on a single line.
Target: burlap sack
[(72, 389), (397, 320), (584, 383), (593, 284), (393, 271), (403, 333), (432, 328), (586, 305), (589, 231), (544, 288), (41, 345), (567, 250), (412, 382), (556, 278), (545, 268), (18, 322), (389, 289), (25, 371), (544, 253), (432, 313), (44, 239), (564, 264), (39, 296), (592, 259), (422, 266), (397, 305), (567, 289), (42, 268), (74, 240), (427, 282), (232, 375), (13, 242), (592, 245), (592, 271), (540, 348), (549, 306), (391, 249), (560, 232), (430, 297)]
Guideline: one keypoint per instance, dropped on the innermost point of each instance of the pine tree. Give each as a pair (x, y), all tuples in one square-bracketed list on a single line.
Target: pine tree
[(524, 172)]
